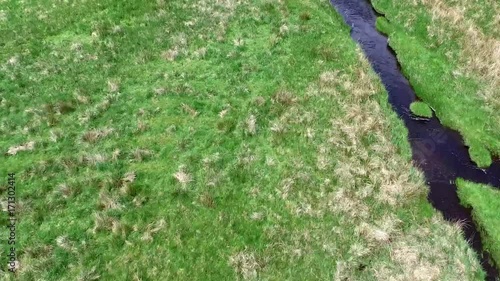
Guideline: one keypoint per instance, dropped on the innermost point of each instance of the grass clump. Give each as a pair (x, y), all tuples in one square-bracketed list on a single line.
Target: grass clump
[(485, 203), (421, 109)]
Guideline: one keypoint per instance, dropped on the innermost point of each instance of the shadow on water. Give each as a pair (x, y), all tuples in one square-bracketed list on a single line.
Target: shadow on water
[(438, 151)]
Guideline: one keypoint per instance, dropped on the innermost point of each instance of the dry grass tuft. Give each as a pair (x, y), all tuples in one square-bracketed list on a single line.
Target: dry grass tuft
[(82, 98), (328, 78), (251, 124), (245, 264), (170, 54), (257, 216), (182, 176), (380, 231), (3, 16), (12, 61), (55, 135), (102, 222), (95, 135), (65, 190), (152, 229), (140, 154), (113, 86), (13, 150), (285, 98), (259, 101), (115, 154), (189, 110), (200, 53), (129, 177), (159, 91), (238, 42), (108, 201), (89, 275), (207, 200), (284, 29), (223, 112), (141, 126), (92, 159), (346, 203), (125, 183), (64, 243)]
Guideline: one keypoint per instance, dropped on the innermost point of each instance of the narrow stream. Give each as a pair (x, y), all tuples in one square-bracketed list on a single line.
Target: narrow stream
[(438, 151)]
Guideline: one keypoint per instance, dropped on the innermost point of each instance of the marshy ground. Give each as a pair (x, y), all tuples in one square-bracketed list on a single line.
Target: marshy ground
[(213, 140)]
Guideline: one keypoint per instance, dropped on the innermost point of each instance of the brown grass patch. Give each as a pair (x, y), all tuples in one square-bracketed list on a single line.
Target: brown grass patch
[(245, 263), (13, 150)]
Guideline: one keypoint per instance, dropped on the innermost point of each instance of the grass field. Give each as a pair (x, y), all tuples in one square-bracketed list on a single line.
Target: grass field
[(450, 51), (485, 203), (208, 140)]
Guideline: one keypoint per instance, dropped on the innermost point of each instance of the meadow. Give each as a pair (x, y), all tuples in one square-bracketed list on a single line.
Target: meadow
[(208, 140)]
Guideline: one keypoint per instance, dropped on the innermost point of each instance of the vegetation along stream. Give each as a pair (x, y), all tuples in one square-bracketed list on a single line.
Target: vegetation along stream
[(438, 151)]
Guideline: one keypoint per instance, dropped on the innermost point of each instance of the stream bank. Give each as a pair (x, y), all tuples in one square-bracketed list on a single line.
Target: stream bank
[(438, 151)]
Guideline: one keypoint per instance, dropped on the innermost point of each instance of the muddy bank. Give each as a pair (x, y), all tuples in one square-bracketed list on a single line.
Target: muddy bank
[(438, 151)]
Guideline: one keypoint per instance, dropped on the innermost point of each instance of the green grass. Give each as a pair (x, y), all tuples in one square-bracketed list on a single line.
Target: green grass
[(449, 54), (421, 109), (208, 140), (485, 203)]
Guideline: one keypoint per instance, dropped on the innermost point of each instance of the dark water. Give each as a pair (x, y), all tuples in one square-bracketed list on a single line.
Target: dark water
[(438, 151)]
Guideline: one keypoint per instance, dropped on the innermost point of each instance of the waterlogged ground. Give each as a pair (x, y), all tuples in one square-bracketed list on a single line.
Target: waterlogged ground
[(208, 140), (450, 50)]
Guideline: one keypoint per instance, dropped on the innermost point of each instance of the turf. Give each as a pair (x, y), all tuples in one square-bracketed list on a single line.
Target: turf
[(421, 109), (485, 203), (208, 140), (450, 56)]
